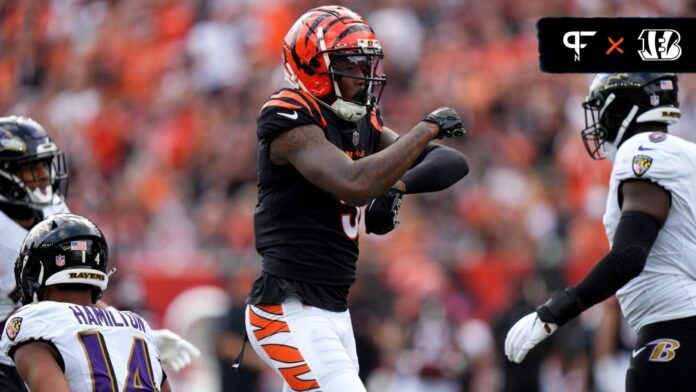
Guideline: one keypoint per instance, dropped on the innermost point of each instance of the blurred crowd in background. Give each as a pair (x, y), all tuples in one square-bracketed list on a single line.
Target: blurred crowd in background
[(155, 104)]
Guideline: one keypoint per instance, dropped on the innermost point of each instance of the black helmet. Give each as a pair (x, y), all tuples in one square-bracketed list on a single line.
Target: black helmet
[(62, 249), (619, 100), (24, 142)]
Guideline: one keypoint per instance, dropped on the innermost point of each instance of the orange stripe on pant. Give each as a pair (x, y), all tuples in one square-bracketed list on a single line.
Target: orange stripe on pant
[(281, 352), (266, 327), (272, 309), (290, 375)]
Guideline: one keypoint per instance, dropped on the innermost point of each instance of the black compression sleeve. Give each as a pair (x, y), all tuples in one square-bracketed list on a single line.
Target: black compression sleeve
[(635, 236), (437, 168)]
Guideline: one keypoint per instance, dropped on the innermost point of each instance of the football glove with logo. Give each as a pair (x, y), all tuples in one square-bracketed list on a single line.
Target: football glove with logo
[(448, 121), (525, 335), (382, 212)]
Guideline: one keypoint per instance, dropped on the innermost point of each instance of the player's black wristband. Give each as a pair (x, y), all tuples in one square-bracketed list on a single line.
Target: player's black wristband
[(562, 307), (439, 168)]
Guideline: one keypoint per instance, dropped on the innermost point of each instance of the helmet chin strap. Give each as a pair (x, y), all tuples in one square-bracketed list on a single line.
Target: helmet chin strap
[(39, 283), (610, 148), (348, 111)]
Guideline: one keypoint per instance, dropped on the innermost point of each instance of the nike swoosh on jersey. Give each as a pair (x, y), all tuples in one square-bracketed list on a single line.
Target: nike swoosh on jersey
[(641, 148), (292, 116), (636, 352)]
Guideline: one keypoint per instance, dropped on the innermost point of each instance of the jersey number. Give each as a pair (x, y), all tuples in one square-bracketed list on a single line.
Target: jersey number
[(102, 371), (350, 223)]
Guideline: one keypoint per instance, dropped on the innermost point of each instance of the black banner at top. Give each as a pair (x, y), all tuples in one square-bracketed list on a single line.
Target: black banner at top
[(590, 45)]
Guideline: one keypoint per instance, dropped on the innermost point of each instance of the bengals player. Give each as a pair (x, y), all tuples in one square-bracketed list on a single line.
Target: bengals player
[(323, 151)]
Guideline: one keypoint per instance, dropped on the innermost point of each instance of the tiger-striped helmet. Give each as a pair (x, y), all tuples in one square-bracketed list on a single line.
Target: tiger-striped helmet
[(324, 41)]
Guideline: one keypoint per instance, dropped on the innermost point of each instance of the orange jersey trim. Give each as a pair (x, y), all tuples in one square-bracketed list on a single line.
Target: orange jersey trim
[(279, 103)]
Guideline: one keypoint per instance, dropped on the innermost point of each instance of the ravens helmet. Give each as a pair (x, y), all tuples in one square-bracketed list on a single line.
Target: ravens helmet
[(62, 249), (33, 171), (321, 45), (618, 100)]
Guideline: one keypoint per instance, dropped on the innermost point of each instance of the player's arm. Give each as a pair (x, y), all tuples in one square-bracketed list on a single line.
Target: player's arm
[(644, 210), (329, 168), (435, 169), (36, 363), (356, 182), (166, 387)]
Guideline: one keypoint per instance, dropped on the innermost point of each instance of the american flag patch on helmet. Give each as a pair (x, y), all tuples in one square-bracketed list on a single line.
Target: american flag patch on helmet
[(78, 245)]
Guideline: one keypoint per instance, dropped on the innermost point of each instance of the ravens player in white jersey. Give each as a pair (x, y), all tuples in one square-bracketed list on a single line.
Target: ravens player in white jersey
[(33, 184), (33, 180), (650, 221), (60, 340)]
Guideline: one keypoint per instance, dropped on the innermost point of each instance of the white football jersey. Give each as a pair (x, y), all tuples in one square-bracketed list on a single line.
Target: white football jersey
[(11, 238), (666, 289), (101, 349)]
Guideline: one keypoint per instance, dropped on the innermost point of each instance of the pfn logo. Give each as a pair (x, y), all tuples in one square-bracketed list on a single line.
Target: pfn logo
[(575, 43), (660, 45)]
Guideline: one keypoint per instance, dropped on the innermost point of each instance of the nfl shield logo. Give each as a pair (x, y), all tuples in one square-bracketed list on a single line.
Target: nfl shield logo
[(60, 260), (13, 327), (356, 138), (641, 164), (654, 100)]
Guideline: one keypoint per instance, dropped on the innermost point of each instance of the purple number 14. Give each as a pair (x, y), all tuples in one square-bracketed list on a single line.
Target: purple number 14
[(102, 371)]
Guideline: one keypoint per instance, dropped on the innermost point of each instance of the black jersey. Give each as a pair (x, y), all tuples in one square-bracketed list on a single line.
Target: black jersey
[(303, 233)]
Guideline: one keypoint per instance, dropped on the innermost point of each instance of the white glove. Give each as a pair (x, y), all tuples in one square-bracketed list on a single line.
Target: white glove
[(175, 351), (525, 335)]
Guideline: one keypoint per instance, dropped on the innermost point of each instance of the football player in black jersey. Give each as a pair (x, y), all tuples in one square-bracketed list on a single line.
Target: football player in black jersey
[(323, 151)]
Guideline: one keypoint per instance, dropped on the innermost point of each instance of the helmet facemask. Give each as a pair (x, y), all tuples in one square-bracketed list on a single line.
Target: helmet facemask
[(362, 67), (594, 134), (604, 127), (35, 181)]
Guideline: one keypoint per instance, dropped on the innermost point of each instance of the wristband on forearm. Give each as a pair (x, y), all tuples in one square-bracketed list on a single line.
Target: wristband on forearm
[(563, 306)]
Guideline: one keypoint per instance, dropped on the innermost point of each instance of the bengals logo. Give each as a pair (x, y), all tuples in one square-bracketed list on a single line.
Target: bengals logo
[(660, 45), (13, 326)]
